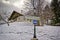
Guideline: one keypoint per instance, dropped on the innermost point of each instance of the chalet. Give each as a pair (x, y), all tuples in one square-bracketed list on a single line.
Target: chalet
[(15, 16)]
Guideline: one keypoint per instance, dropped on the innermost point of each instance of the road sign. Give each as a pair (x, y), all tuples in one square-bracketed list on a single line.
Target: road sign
[(35, 22)]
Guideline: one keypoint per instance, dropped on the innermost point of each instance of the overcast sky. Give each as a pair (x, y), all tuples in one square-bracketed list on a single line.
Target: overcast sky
[(20, 3), (6, 8), (49, 1)]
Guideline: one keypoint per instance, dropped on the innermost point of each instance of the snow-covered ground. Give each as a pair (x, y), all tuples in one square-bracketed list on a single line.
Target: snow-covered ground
[(24, 31)]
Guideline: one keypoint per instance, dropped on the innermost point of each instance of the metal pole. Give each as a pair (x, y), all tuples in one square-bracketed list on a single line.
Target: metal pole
[(34, 31)]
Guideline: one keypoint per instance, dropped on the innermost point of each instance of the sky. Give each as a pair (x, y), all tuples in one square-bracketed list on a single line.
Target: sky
[(21, 4), (49, 1), (18, 3), (14, 2)]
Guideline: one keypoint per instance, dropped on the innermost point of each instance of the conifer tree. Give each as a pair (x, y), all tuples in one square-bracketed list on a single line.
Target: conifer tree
[(55, 4)]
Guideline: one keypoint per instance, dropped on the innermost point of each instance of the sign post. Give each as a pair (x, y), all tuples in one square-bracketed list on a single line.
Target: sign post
[(35, 23)]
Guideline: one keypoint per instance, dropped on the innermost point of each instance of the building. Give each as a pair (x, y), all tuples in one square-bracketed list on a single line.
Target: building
[(15, 16), (29, 19)]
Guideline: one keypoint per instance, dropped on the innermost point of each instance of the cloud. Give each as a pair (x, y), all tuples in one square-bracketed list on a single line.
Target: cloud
[(49, 1), (6, 2), (17, 3)]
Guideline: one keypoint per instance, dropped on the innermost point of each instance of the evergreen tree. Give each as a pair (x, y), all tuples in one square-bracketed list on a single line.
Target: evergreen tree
[(55, 4)]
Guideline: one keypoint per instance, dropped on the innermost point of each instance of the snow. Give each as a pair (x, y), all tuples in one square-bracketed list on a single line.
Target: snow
[(24, 31)]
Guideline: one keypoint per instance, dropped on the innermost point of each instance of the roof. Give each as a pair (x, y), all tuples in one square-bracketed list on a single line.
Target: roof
[(14, 15)]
